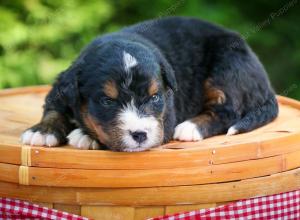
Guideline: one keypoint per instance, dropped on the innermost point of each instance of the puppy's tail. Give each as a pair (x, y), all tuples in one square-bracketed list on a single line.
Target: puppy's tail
[(256, 117)]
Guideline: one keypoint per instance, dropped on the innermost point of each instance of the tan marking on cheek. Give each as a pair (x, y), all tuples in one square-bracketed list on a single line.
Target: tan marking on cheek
[(153, 88), (148, 110), (161, 130), (91, 123), (117, 134), (110, 89), (213, 95)]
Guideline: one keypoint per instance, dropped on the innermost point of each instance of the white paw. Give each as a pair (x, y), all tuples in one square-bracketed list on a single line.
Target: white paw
[(187, 131), (232, 131), (82, 141), (37, 139)]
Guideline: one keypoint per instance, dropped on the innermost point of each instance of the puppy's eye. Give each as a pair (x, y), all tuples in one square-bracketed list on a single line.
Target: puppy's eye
[(105, 101), (155, 98)]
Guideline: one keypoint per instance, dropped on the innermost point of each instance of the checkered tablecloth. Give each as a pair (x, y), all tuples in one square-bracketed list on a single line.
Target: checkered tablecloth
[(280, 206), (16, 209)]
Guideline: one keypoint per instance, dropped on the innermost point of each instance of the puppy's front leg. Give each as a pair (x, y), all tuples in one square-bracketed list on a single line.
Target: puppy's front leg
[(55, 129), (51, 131), (202, 126), (217, 117)]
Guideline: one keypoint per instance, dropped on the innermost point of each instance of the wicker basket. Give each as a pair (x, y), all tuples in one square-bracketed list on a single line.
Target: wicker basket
[(171, 178)]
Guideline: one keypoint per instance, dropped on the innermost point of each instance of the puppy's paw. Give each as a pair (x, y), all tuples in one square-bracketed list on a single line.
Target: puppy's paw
[(82, 141), (36, 138), (187, 131), (232, 131)]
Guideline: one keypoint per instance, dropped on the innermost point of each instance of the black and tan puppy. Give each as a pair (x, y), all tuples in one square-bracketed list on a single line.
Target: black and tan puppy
[(179, 78)]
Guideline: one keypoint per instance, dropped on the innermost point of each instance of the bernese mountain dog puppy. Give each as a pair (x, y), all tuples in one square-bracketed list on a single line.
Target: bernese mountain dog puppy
[(174, 77)]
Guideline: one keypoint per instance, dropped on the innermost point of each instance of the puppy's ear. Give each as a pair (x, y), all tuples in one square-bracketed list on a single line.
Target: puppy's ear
[(168, 74), (67, 86)]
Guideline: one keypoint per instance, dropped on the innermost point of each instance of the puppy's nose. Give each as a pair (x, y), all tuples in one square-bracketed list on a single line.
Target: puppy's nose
[(139, 136)]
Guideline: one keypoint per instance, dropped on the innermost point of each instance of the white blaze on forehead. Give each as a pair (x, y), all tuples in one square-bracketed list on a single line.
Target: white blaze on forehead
[(131, 121), (129, 61)]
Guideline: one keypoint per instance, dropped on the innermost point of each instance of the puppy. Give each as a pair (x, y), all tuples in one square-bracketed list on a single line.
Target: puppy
[(175, 77)]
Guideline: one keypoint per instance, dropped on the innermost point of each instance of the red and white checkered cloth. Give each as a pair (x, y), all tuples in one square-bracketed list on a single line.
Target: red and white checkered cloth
[(16, 209), (280, 206)]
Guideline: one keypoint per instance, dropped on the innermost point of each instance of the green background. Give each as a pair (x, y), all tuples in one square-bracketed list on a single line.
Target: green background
[(39, 39)]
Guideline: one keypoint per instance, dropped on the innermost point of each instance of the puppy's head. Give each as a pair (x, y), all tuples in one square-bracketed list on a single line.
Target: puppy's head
[(124, 89)]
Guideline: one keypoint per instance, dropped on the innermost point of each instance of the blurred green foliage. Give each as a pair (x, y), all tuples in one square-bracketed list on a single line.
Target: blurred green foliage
[(40, 38)]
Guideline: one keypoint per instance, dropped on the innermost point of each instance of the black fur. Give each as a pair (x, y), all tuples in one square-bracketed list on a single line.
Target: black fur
[(182, 54)]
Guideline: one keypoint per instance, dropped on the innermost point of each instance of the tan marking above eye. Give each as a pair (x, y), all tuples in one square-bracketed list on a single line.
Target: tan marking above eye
[(110, 89), (153, 88)]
